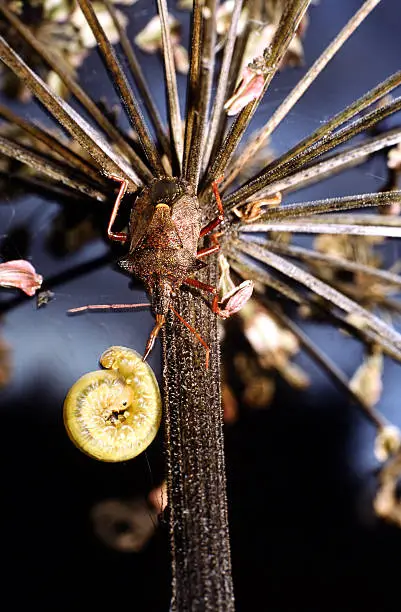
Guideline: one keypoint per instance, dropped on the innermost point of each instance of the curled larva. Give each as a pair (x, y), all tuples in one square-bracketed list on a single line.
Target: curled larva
[(114, 414)]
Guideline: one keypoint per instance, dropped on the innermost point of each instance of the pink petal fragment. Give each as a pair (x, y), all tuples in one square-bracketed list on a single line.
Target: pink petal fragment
[(250, 88), (21, 274), (234, 300)]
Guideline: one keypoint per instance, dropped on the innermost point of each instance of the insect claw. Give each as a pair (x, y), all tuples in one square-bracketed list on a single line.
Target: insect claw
[(160, 320), (148, 348)]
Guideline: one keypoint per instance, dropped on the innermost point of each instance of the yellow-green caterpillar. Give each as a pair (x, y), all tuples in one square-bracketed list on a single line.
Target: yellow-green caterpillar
[(114, 414)]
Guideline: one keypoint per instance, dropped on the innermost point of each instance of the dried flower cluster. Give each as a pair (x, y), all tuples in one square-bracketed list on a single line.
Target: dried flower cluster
[(339, 278)]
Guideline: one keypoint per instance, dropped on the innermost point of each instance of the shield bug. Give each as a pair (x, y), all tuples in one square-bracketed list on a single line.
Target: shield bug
[(162, 238)]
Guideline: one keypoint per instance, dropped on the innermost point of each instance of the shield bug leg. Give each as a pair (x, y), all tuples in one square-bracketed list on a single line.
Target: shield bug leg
[(220, 218), (213, 248), (196, 334), (117, 236), (160, 320)]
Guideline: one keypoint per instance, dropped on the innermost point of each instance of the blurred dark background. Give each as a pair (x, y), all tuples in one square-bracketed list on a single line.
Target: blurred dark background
[(301, 474)]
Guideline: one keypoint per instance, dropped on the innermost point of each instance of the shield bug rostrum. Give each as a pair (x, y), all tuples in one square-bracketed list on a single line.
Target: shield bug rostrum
[(162, 238)]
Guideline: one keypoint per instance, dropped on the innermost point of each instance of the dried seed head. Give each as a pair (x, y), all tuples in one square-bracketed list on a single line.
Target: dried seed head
[(249, 89), (367, 381), (387, 442), (236, 299)]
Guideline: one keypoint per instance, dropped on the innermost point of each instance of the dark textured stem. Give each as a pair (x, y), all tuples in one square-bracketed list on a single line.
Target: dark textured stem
[(200, 549)]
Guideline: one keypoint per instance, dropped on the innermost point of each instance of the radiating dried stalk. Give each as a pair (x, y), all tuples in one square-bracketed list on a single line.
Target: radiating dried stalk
[(55, 147), (221, 93), (262, 277), (310, 256), (365, 335), (333, 371), (140, 80), (200, 90), (55, 170), (330, 166), (301, 87), (121, 84), (303, 209), (200, 135), (253, 8), (107, 159), (323, 139), (293, 13), (299, 227), (171, 86), (320, 288), (193, 82), (77, 91), (360, 219)]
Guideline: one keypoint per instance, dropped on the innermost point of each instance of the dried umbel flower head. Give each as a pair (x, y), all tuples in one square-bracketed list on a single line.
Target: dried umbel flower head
[(197, 161)]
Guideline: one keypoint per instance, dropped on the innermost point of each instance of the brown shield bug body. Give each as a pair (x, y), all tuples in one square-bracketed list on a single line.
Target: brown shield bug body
[(163, 236)]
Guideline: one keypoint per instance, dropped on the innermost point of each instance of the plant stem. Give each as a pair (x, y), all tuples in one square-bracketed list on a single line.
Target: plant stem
[(200, 548)]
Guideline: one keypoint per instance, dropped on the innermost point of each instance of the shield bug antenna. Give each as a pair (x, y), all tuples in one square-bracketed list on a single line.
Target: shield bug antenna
[(163, 235)]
